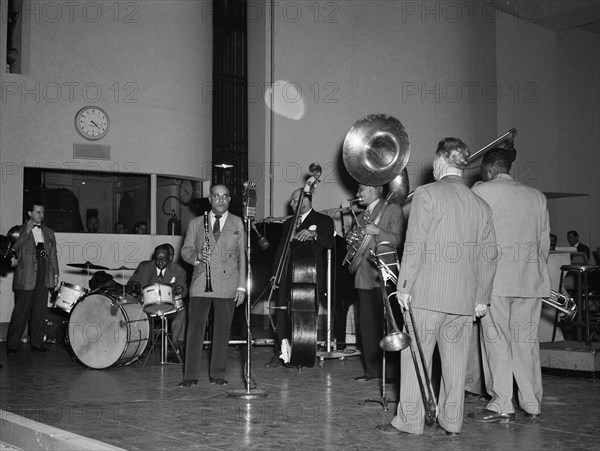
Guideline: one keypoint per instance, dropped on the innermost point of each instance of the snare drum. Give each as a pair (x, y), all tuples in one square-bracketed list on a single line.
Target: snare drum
[(104, 332), (177, 303), (157, 299), (68, 295)]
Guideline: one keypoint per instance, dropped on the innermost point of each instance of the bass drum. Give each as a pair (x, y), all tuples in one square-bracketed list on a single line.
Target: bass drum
[(104, 332)]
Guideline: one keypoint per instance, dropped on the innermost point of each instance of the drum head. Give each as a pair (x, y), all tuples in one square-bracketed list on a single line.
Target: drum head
[(99, 330)]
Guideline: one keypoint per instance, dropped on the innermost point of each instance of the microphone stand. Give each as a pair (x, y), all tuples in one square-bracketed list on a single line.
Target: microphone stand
[(250, 392)]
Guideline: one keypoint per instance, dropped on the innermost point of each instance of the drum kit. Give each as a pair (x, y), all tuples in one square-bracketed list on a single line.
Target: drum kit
[(107, 330)]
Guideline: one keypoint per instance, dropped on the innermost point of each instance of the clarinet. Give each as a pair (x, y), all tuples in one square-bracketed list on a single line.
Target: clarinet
[(206, 248)]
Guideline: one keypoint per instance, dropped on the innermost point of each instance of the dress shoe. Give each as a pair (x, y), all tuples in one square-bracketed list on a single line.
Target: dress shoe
[(388, 429), (174, 357), (441, 431), (218, 381), (489, 416), (40, 348), (532, 416), (186, 383), (364, 378), (275, 362)]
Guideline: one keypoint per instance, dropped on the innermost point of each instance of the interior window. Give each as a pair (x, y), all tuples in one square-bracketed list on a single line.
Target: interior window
[(88, 201)]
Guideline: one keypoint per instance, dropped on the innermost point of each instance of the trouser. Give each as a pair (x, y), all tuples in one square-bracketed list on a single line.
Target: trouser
[(509, 342), (452, 334), (199, 308), (370, 327), (32, 306), (178, 327), (474, 376)]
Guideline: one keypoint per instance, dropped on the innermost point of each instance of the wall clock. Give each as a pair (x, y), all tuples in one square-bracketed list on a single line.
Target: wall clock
[(92, 123)]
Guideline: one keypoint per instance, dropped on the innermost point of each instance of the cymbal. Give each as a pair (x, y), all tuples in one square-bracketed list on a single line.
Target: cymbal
[(86, 265), (122, 268)]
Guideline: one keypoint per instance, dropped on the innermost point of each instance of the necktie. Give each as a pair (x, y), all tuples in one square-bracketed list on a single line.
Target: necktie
[(217, 227), (367, 215), (161, 274), (299, 222)]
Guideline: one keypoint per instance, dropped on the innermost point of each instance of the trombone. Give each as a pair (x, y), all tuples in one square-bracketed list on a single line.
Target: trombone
[(395, 340)]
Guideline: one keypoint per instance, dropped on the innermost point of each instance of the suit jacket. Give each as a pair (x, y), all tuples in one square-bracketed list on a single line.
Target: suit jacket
[(583, 248), (522, 228), (227, 260), (392, 230), (145, 274), (449, 257), (325, 240), (25, 272)]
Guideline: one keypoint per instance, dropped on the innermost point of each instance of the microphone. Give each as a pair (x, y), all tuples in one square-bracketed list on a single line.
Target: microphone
[(262, 241), (249, 200)]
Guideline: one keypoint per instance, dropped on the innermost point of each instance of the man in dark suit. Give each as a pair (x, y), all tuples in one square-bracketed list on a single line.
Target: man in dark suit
[(316, 230), (35, 274), (446, 275), (161, 269), (390, 227), (223, 251), (573, 239)]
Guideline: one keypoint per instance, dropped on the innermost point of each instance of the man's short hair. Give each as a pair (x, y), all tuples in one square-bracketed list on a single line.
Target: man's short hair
[(31, 204), (455, 151), (500, 157), (158, 249), (573, 232)]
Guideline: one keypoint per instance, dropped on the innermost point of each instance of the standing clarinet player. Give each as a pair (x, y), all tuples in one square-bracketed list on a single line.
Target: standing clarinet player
[(219, 265)]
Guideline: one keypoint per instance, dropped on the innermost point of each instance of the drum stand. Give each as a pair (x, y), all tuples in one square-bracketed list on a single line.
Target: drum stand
[(250, 392), (165, 342)]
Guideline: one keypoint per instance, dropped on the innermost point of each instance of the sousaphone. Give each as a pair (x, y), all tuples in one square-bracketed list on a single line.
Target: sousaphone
[(375, 152)]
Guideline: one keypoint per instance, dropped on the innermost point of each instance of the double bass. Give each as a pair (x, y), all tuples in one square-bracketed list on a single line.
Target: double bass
[(303, 287)]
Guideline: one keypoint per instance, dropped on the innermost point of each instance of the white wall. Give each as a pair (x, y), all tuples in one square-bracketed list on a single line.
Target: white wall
[(352, 58), (552, 82), (152, 64)]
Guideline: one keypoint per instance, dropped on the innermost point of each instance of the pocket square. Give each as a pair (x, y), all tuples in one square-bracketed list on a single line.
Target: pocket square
[(172, 280), (312, 228)]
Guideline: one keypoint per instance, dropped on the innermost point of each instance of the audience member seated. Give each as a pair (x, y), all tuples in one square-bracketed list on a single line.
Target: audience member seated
[(573, 239), (93, 224)]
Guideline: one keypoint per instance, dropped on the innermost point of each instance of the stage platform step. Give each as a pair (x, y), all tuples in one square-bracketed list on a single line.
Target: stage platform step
[(571, 358), (19, 432)]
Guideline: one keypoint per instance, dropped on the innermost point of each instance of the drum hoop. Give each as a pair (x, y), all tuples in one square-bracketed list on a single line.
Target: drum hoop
[(74, 287)]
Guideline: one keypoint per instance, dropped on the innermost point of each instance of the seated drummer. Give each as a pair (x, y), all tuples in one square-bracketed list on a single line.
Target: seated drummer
[(161, 269)]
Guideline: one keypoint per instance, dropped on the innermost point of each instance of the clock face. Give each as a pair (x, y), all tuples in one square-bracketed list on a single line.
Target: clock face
[(186, 190), (92, 123)]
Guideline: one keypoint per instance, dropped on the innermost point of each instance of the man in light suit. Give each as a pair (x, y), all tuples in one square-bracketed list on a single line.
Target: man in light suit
[(509, 333), (35, 274), (315, 231), (226, 258), (446, 277), (389, 228), (161, 269)]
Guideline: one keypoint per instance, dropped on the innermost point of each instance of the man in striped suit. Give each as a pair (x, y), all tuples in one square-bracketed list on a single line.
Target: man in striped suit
[(509, 333), (446, 277)]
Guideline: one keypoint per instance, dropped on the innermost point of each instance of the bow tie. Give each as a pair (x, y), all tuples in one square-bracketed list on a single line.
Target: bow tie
[(39, 226)]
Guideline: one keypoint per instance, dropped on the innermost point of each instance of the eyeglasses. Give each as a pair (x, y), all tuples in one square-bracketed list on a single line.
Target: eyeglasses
[(217, 197)]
